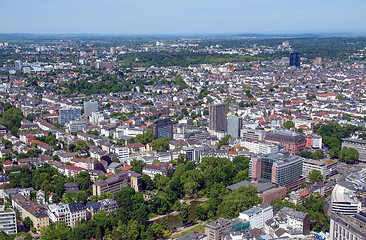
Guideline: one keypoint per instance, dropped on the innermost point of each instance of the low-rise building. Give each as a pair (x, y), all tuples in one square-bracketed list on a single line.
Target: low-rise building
[(116, 183), (326, 167), (69, 213), (162, 168)]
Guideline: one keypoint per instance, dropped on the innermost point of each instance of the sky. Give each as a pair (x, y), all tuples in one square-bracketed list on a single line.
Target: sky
[(182, 16)]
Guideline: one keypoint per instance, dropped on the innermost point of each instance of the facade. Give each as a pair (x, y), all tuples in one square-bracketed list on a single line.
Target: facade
[(348, 227), (295, 59), (257, 215), (317, 141), (69, 213), (278, 169), (217, 116), (123, 153), (256, 134), (358, 144), (76, 126), (234, 125), (8, 222), (28, 208), (214, 230), (326, 167), (162, 168), (294, 142), (344, 199), (90, 107), (116, 183), (162, 128), (69, 114)]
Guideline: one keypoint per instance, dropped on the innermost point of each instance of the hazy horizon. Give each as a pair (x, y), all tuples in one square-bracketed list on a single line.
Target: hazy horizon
[(162, 17)]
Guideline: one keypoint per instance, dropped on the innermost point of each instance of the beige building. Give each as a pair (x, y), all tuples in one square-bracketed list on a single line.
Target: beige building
[(214, 230), (116, 183)]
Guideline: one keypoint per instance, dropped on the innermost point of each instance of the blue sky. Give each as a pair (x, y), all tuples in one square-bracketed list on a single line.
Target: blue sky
[(181, 16)]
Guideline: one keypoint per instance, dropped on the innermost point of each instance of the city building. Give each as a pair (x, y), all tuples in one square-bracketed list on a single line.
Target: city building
[(257, 215), (162, 128), (217, 114), (344, 199), (348, 227), (358, 144), (277, 168), (255, 134), (90, 107), (68, 213), (294, 142), (214, 230), (326, 167), (234, 125), (123, 153), (288, 221), (295, 59), (69, 114), (162, 168), (76, 126), (8, 221), (116, 183)]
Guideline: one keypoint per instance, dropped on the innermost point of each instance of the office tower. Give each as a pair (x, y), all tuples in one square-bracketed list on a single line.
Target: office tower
[(295, 59), (277, 168), (112, 50), (218, 114), (162, 128), (90, 107), (18, 65), (234, 126), (8, 222), (69, 114)]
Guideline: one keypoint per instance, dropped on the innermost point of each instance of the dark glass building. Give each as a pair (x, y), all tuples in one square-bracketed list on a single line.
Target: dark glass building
[(295, 59), (162, 128)]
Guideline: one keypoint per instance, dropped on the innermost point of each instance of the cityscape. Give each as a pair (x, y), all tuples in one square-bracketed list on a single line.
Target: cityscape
[(184, 130)]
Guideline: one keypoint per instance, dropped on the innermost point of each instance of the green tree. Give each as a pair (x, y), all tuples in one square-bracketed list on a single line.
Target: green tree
[(289, 124), (161, 145), (223, 141), (56, 231), (315, 176), (184, 213), (145, 138), (348, 155), (28, 222)]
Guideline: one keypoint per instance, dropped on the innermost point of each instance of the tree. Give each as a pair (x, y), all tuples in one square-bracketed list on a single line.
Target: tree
[(56, 231), (147, 183), (318, 154), (289, 124), (28, 222), (184, 213), (161, 145), (145, 138), (315, 176), (348, 155), (238, 201), (223, 141)]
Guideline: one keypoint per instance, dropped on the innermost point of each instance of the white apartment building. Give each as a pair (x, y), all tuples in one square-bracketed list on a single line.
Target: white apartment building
[(257, 215), (69, 213), (8, 222)]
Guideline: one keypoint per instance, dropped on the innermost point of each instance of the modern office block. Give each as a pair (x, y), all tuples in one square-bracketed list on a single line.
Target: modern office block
[(295, 59), (69, 114), (90, 107), (218, 120), (162, 128), (234, 126)]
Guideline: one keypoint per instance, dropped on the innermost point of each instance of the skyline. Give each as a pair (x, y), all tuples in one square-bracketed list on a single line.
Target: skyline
[(164, 17)]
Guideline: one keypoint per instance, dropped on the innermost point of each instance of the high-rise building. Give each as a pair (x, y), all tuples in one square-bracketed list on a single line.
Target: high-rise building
[(69, 114), (295, 59), (18, 65), (218, 120), (8, 222), (277, 168), (162, 128), (234, 125), (90, 107)]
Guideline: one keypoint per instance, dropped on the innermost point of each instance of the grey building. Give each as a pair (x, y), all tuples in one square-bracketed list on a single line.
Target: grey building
[(90, 107), (358, 144), (69, 114), (234, 125), (8, 222), (218, 120), (348, 227)]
